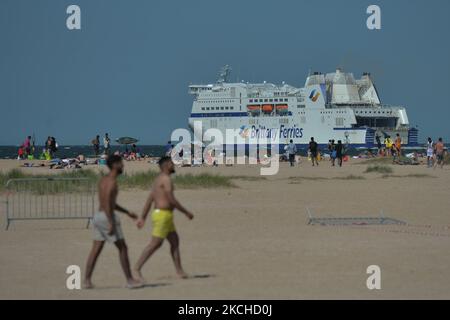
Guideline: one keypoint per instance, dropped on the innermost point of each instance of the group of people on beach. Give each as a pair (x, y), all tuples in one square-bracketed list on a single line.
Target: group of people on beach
[(27, 149), (106, 144), (336, 152), (435, 153), (134, 153), (391, 147), (107, 227)]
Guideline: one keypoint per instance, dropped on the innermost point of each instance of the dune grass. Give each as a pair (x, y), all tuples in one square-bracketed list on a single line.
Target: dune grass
[(39, 186), (379, 169), (140, 180)]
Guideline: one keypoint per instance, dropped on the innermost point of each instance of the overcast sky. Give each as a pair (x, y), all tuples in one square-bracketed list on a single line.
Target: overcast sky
[(127, 70)]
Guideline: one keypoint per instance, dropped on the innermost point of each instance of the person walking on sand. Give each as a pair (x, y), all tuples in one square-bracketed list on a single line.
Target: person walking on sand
[(398, 146), (313, 150), (430, 152), (96, 145), (388, 143), (377, 139), (162, 218), (291, 150), (440, 153), (106, 144), (106, 223), (339, 148), (27, 146), (333, 153)]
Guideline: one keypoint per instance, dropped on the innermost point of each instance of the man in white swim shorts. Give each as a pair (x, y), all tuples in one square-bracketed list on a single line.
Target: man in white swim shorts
[(107, 224)]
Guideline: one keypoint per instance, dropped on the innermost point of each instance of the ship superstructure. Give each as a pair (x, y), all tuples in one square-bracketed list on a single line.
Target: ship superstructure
[(329, 106)]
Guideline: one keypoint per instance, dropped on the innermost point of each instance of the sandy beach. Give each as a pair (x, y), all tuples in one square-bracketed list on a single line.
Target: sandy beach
[(253, 241)]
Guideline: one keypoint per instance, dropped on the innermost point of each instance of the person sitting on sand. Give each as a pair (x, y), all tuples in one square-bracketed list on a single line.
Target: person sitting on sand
[(107, 224), (162, 217)]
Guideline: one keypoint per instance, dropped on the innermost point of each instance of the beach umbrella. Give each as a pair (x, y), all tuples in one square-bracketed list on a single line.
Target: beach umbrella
[(126, 140)]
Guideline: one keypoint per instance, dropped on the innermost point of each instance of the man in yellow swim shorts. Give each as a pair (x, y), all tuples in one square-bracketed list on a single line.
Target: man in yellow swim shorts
[(162, 218)]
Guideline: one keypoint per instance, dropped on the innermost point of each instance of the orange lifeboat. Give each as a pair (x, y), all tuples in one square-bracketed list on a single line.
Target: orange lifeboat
[(267, 108), (282, 107), (253, 107)]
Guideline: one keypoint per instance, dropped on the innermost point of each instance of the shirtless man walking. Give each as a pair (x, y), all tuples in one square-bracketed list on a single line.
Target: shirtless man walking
[(439, 148), (162, 218), (107, 224)]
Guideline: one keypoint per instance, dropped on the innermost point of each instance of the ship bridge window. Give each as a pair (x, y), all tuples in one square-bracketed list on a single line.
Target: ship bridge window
[(203, 108), (221, 108), (285, 99)]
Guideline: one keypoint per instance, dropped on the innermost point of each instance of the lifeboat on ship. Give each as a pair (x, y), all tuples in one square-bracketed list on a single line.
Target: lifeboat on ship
[(281, 108), (267, 108), (254, 109)]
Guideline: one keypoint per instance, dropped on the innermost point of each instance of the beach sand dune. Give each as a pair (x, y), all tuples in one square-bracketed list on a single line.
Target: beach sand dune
[(253, 241)]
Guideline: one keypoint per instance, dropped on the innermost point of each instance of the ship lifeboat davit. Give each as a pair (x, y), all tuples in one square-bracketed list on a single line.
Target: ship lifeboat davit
[(267, 108)]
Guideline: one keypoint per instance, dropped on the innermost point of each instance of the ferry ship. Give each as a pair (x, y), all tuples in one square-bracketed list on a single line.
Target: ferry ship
[(329, 106)]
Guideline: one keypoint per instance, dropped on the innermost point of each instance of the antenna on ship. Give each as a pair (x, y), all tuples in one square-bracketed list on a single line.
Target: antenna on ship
[(223, 74)]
